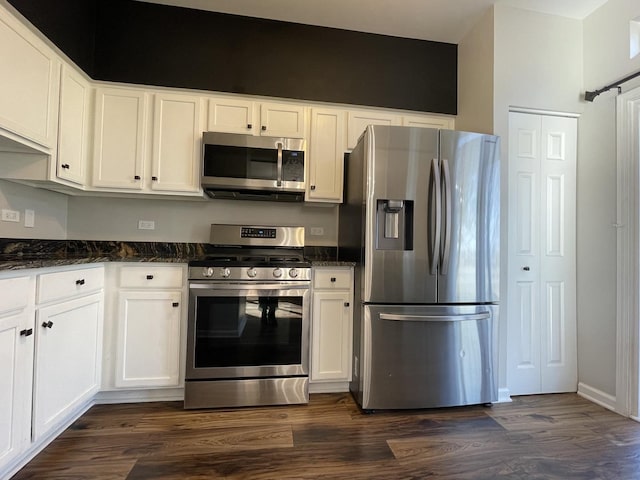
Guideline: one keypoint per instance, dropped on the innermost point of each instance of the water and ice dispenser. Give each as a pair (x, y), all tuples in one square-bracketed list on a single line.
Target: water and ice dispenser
[(394, 225)]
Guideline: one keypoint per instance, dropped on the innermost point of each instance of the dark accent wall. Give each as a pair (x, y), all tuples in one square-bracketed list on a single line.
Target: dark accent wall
[(152, 44), (69, 24)]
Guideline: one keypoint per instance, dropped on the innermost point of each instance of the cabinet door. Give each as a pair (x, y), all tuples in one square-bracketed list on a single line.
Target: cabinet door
[(331, 320), (281, 120), (177, 139), (148, 339), (73, 127), (29, 77), (16, 370), (232, 116), (426, 121), (67, 359), (119, 139), (358, 121), (326, 156)]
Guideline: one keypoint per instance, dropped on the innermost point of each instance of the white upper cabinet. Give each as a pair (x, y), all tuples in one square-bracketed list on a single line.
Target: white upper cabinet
[(177, 139), (120, 135), (282, 120), (359, 119), (427, 121), (229, 115), (326, 155), (73, 128), (29, 80), (255, 118)]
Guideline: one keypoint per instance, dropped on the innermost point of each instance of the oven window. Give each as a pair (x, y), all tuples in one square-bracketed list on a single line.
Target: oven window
[(248, 331)]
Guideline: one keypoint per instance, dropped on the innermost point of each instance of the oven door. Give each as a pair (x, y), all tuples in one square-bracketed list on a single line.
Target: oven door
[(247, 330)]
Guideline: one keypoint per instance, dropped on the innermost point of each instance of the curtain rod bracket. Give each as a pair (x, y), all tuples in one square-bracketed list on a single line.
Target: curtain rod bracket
[(589, 96)]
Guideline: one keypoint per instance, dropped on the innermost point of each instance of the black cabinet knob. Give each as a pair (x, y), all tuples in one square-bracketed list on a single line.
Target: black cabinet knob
[(526, 269), (346, 304), (149, 277), (175, 304), (264, 128), (136, 177), (48, 324), (26, 332), (313, 187), (249, 126), (80, 282), (333, 279), (155, 179), (65, 165)]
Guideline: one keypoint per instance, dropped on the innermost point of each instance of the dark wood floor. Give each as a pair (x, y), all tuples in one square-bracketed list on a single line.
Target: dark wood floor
[(538, 437)]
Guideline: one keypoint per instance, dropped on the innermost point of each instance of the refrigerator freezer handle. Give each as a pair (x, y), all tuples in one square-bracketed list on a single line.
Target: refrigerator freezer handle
[(434, 318), (446, 242), (435, 214)]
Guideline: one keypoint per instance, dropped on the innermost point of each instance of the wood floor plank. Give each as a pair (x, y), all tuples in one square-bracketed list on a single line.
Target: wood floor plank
[(536, 437)]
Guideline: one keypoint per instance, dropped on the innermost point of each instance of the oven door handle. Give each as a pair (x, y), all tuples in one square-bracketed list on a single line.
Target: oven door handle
[(289, 287)]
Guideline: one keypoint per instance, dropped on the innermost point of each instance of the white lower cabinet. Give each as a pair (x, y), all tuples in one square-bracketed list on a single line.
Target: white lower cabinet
[(331, 327), (149, 331), (16, 366), (68, 347), (68, 359)]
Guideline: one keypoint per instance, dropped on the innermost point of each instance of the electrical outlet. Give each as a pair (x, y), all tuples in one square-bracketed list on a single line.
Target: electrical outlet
[(317, 231), (29, 218), (10, 215), (146, 225)]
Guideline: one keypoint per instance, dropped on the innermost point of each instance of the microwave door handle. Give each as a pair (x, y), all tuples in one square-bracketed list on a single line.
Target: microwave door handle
[(279, 181)]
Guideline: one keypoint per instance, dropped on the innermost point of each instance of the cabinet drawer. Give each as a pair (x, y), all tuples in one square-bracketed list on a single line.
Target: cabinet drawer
[(333, 279), (150, 276), (58, 285), (15, 293)]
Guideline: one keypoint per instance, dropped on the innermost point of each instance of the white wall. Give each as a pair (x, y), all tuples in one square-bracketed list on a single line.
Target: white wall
[(189, 221), (475, 77), (538, 64), (606, 59), (50, 212)]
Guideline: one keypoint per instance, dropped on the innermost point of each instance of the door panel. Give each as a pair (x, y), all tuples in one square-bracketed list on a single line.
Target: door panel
[(397, 268), (470, 248)]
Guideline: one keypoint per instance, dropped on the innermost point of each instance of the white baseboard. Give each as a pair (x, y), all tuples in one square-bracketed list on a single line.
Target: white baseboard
[(136, 396), (504, 396), (597, 396), (329, 387)]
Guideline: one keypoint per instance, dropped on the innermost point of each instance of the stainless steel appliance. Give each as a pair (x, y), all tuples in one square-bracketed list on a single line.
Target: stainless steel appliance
[(422, 221), (249, 167), (248, 323)]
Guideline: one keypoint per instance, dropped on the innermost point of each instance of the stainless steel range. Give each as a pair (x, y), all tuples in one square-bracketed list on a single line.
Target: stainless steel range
[(248, 325)]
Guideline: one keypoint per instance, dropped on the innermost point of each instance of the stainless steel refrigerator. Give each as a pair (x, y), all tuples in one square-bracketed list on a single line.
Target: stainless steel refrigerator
[(421, 219)]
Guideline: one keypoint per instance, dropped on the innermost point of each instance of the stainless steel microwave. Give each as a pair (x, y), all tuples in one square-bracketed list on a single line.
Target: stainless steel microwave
[(252, 167)]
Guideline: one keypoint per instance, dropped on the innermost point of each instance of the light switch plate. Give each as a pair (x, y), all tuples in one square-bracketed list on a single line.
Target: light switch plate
[(317, 231), (10, 215), (29, 218)]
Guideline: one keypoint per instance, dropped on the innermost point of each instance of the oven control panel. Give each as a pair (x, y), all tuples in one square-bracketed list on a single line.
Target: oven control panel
[(257, 232), (250, 274)]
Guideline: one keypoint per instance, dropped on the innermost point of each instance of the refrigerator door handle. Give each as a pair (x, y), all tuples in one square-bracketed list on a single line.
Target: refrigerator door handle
[(446, 242), (435, 214), (434, 318)]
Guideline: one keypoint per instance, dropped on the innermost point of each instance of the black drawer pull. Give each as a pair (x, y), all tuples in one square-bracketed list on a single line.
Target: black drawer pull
[(264, 128), (26, 332), (249, 126), (155, 179), (65, 165), (333, 279), (175, 304), (48, 324), (346, 304), (313, 187), (80, 282), (149, 277)]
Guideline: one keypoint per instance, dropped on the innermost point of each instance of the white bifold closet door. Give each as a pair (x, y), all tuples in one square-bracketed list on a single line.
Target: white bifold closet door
[(541, 282)]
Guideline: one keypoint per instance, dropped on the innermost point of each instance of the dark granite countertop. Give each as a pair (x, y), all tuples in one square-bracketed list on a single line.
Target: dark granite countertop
[(17, 254)]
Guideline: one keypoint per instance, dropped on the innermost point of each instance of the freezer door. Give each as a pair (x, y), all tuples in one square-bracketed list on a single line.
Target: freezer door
[(399, 165), (470, 234), (426, 357)]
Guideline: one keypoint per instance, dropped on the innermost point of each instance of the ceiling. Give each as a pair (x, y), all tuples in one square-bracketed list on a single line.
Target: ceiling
[(437, 20)]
